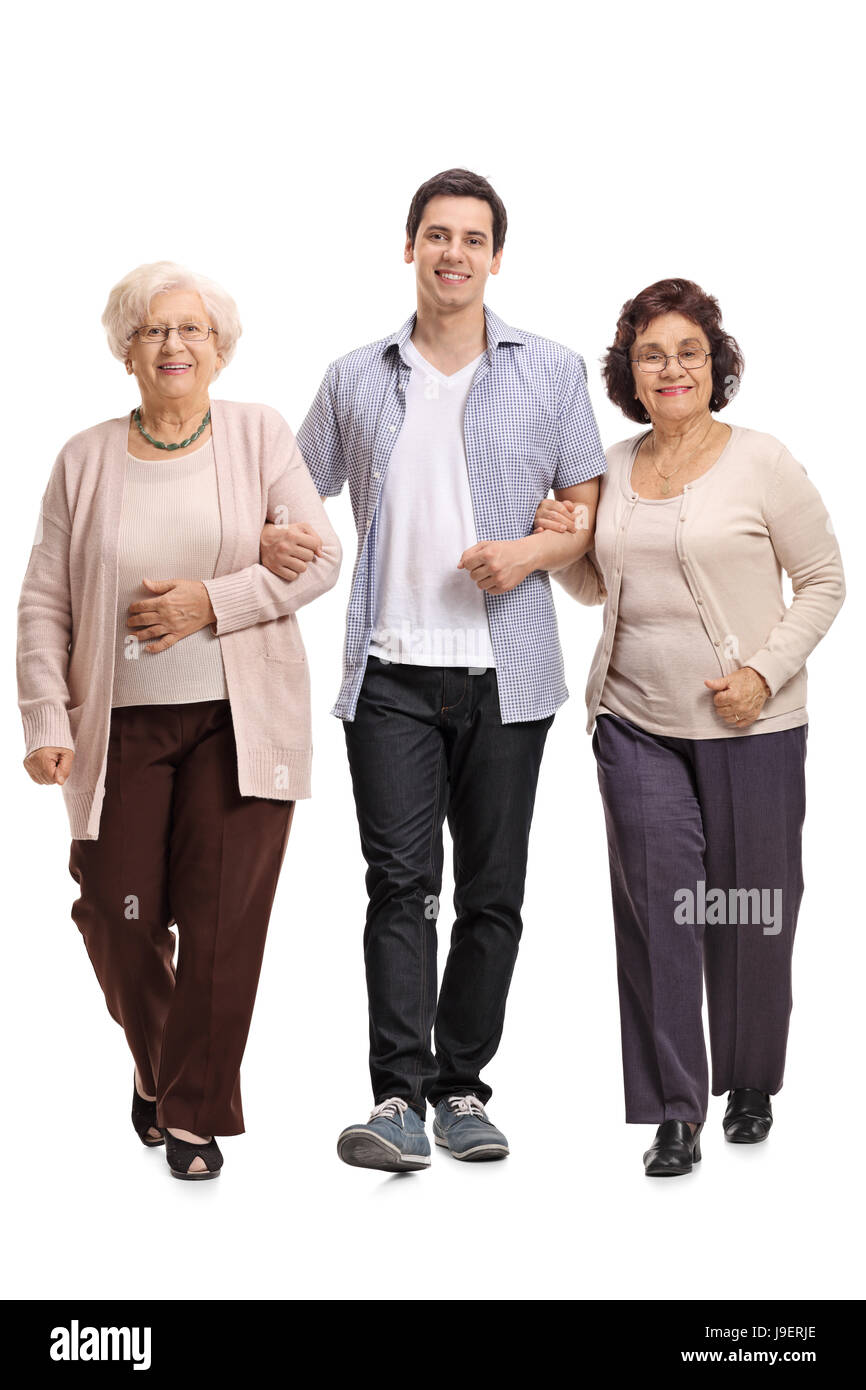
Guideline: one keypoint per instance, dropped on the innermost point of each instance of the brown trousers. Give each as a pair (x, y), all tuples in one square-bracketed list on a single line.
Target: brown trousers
[(179, 844)]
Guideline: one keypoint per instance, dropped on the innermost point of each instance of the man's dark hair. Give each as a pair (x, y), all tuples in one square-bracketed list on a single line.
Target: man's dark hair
[(458, 183)]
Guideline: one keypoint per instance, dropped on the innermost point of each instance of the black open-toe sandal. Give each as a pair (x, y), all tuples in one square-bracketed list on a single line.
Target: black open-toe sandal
[(180, 1155), (144, 1118)]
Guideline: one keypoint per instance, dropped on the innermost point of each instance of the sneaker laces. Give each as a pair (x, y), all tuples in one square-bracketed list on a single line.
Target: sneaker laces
[(467, 1105), (393, 1109)]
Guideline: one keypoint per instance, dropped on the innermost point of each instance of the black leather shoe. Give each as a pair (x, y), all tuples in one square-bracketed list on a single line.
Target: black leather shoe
[(749, 1116), (673, 1151)]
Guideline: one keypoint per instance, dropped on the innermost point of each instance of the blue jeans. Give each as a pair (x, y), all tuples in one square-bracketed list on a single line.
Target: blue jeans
[(428, 742)]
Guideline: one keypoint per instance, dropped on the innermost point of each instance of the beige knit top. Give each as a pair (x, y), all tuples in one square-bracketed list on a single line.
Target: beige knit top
[(752, 515), (661, 651), (169, 529)]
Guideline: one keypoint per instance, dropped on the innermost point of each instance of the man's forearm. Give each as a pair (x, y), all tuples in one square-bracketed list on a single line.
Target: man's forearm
[(553, 550)]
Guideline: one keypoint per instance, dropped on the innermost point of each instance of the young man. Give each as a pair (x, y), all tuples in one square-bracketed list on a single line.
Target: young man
[(450, 432)]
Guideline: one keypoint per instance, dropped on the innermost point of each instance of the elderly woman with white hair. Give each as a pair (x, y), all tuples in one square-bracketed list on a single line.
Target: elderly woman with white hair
[(163, 685)]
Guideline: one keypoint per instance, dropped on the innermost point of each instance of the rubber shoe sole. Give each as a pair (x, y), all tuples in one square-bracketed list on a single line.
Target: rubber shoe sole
[(481, 1153), (360, 1149)]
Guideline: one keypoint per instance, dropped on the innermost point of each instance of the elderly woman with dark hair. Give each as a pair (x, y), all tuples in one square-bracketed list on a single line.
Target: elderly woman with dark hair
[(163, 685), (698, 696)]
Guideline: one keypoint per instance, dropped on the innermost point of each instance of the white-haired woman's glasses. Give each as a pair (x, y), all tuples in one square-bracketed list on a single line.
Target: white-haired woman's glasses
[(159, 332)]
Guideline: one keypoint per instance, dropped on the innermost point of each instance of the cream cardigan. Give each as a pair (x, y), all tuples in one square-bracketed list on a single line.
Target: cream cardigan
[(752, 514), (67, 615)]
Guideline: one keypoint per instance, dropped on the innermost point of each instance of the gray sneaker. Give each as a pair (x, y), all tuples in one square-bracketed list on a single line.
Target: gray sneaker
[(461, 1126), (393, 1140)]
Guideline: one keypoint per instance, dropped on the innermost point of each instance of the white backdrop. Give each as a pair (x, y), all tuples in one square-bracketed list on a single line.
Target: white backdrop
[(278, 152)]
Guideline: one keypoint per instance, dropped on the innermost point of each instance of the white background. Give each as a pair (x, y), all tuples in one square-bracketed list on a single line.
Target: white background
[(278, 152)]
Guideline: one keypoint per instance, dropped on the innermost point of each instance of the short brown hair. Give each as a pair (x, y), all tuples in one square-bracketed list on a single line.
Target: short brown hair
[(671, 297), (458, 183)]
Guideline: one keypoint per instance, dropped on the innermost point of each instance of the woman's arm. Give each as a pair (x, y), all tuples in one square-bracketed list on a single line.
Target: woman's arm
[(45, 625), (803, 539), (583, 580), (254, 595)]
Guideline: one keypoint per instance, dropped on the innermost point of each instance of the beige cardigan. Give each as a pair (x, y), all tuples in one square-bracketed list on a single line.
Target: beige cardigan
[(67, 615), (752, 514)]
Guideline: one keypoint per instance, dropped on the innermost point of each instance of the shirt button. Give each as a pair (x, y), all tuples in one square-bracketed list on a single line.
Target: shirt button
[(700, 601), (392, 428), (717, 644), (377, 475)]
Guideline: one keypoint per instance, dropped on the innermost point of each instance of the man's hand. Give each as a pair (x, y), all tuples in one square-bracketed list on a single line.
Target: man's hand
[(287, 550), (498, 566), (49, 765), (739, 697), (182, 606)]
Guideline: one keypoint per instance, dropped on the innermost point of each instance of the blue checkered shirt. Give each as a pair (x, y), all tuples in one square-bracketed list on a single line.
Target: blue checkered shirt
[(528, 427)]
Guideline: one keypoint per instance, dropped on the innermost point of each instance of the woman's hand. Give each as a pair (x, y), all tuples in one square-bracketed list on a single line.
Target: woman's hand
[(551, 515), (739, 697), (498, 566), (48, 765), (287, 550), (182, 606)]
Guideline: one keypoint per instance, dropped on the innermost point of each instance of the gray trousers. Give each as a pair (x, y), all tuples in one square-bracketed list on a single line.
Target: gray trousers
[(689, 823)]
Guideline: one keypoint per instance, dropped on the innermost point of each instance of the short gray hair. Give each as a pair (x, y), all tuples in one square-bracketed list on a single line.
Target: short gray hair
[(129, 302)]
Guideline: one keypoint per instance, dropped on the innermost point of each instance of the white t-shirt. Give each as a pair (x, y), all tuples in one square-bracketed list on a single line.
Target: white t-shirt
[(428, 612)]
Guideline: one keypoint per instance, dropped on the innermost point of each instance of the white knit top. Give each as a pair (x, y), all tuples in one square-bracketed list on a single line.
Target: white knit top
[(169, 529)]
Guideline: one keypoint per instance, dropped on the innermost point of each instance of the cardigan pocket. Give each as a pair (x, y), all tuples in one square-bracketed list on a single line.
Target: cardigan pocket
[(282, 640)]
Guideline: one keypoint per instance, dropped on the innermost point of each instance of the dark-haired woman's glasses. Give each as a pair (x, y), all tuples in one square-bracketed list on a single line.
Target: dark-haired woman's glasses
[(688, 359)]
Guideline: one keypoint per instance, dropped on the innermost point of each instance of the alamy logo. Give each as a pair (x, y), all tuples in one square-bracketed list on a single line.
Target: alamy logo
[(75, 1343), (737, 907)]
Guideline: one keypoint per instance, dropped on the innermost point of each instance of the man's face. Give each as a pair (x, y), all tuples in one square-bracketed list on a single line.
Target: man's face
[(453, 252)]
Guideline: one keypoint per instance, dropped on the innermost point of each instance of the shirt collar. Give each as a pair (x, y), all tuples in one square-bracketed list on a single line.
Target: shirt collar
[(498, 331)]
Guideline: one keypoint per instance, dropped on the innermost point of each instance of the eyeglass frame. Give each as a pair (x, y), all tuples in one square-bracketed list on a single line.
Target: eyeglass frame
[(170, 328), (654, 371)]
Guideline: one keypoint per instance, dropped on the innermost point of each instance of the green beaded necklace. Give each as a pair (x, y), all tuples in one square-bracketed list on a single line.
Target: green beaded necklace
[(157, 444)]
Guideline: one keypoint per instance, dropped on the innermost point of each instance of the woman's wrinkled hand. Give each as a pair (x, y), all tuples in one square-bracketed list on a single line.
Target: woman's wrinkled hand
[(551, 515), (739, 697), (49, 765), (287, 550), (179, 607)]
